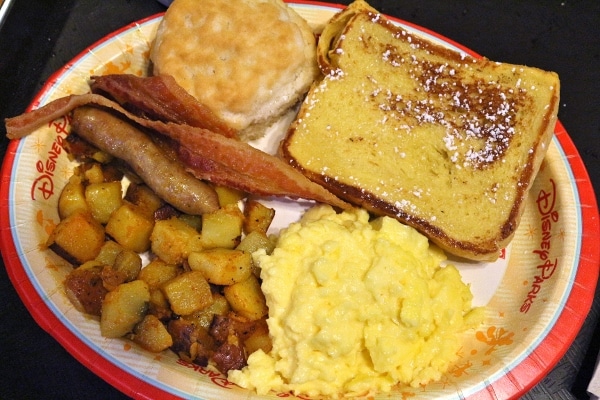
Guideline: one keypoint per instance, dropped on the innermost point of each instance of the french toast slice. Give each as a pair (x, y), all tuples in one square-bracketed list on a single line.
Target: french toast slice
[(444, 142)]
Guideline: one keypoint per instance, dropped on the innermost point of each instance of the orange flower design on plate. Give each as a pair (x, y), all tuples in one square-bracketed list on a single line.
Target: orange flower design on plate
[(47, 224), (495, 337)]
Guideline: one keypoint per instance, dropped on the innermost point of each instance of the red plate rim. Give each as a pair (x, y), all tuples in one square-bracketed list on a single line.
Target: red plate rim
[(513, 383)]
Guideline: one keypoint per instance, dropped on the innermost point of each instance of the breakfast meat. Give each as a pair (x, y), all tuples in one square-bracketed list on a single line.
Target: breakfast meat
[(159, 98), (166, 177), (236, 164), (444, 142), (249, 61), (205, 154)]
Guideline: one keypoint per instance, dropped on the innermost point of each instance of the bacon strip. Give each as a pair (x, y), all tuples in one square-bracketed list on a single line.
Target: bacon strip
[(206, 154), (159, 98), (236, 164), (22, 125)]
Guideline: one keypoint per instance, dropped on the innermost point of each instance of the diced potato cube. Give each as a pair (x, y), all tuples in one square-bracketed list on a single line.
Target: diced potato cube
[(195, 221), (228, 195), (93, 173), (256, 240), (222, 228), (204, 317), (258, 217), (123, 308), (158, 272), (173, 240), (188, 292), (152, 335), (159, 306), (144, 198), (104, 198), (92, 264), (259, 338), (72, 198), (246, 298), (222, 266), (129, 263), (77, 238), (130, 227), (108, 253)]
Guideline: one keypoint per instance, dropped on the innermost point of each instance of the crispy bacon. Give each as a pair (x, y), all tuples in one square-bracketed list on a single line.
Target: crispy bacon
[(159, 98), (237, 164), (22, 125), (206, 154)]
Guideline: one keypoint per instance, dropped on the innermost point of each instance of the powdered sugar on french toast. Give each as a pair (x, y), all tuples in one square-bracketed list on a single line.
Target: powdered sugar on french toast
[(436, 138), (478, 115)]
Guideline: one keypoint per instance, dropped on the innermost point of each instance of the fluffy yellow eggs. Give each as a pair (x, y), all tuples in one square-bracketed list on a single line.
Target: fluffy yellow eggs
[(356, 307)]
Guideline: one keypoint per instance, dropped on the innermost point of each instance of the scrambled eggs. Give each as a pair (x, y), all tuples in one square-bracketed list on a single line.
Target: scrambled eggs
[(356, 307)]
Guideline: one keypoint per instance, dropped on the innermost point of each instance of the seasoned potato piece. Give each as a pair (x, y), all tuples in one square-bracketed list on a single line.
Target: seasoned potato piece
[(92, 264), (123, 308), (222, 228), (85, 290), (103, 199), (108, 253), (129, 263), (144, 198), (130, 227), (246, 298), (222, 266), (256, 240), (72, 198), (258, 217), (204, 317), (228, 195), (173, 240), (159, 306), (158, 272), (259, 338), (93, 173), (195, 221), (188, 292), (77, 238), (152, 335)]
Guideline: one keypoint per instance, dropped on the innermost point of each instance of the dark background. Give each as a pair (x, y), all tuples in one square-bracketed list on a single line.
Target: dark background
[(40, 36)]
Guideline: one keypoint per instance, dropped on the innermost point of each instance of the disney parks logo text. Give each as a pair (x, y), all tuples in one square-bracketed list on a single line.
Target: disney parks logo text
[(546, 204)]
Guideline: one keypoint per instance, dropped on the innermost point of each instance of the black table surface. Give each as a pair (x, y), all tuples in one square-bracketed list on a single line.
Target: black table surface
[(40, 36)]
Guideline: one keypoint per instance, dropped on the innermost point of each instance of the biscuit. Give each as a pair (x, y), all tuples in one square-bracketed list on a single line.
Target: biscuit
[(249, 61)]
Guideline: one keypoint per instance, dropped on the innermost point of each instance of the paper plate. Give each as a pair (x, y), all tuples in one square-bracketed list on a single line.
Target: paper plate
[(537, 294)]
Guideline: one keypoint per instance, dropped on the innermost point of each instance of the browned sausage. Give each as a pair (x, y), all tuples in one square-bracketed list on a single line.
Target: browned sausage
[(167, 178)]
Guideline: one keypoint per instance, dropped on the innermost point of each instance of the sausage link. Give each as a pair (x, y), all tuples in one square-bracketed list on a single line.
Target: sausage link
[(167, 178)]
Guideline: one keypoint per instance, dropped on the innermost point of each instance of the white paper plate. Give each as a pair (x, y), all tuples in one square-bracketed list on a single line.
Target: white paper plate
[(537, 295)]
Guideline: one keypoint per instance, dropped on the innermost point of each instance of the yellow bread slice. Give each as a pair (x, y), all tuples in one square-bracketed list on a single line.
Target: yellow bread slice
[(444, 142)]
